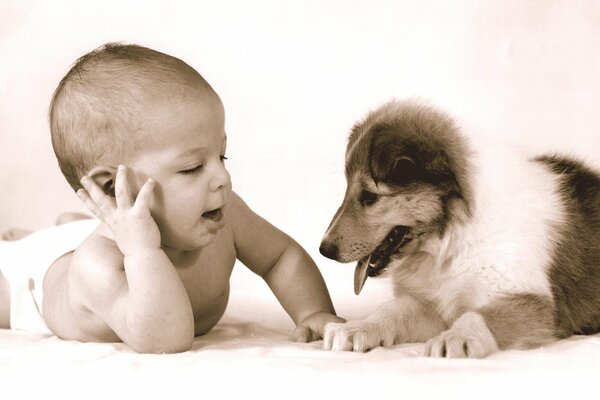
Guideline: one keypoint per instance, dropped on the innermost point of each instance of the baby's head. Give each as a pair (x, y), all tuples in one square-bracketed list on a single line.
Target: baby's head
[(127, 104), (99, 108)]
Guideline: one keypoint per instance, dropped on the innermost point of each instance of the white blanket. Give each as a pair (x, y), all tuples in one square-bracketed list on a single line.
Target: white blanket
[(249, 354)]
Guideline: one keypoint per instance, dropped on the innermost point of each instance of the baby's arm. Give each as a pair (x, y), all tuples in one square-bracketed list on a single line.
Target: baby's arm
[(288, 270), (138, 293)]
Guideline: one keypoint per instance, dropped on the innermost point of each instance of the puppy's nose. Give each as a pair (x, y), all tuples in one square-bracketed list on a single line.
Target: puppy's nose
[(329, 250)]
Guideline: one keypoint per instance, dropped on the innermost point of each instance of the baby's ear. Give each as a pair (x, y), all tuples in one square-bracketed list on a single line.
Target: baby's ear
[(104, 176)]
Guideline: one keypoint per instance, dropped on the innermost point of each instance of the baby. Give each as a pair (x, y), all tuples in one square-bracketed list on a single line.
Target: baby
[(140, 136)]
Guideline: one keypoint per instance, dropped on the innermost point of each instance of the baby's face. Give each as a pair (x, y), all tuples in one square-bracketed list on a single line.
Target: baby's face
[(182, 146)]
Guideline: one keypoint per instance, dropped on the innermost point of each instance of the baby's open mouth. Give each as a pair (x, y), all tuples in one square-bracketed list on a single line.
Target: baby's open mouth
[(375, 263), (214, 215)]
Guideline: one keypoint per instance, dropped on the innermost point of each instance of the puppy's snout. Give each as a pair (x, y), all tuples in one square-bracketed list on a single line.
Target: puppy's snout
[(329, 250)]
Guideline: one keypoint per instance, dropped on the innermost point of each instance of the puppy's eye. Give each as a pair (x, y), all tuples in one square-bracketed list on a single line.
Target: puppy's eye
[(367, 198)]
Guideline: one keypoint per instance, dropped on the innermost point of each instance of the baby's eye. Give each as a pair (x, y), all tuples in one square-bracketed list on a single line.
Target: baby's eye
[(223, 158), (191, 171)]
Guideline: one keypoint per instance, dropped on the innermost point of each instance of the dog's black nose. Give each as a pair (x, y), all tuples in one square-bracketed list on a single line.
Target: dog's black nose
[(329, 250)]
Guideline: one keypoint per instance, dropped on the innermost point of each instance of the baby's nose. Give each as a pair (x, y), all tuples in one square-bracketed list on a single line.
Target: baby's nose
[(220, 179)]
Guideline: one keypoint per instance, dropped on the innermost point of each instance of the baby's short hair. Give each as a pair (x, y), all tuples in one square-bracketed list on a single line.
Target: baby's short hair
[(98, 102)]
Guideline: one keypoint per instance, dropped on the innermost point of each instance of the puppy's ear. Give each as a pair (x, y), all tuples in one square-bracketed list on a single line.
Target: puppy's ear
[(104, 176), (403, 172), (389, 161)]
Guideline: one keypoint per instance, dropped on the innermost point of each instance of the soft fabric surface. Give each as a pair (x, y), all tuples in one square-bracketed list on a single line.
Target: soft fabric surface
[(249, 354)]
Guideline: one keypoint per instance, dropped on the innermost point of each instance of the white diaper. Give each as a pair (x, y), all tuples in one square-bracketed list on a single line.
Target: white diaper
[(24, 264)]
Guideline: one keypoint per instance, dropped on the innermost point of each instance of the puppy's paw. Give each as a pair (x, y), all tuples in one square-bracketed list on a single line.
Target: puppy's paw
[(455, 345), (356, 336), (469, 337)]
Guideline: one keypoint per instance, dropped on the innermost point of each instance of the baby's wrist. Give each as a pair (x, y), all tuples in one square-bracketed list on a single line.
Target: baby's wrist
[(142, 251), (313, 315)]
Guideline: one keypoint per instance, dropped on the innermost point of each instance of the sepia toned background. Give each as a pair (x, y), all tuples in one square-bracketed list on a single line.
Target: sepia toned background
[(294, 76)]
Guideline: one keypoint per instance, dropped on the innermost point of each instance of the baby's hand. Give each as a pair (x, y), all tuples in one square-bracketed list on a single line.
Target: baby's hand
[(129, 219), (313, 327)]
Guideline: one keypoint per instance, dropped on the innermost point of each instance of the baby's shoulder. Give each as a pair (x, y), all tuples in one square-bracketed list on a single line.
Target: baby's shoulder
[(96, 261), (252, 231), (237, 210), (240, 218)]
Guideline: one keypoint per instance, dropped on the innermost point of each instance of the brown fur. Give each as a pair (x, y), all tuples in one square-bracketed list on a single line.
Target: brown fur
[(520, 321)]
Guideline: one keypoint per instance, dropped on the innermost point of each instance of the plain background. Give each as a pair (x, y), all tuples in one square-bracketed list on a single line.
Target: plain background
[(294, 77)]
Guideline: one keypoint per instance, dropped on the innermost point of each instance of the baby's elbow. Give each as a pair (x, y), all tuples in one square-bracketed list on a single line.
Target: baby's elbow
[(163, 348), (164, 345), (180, 346), (167, 336), (172, 349)]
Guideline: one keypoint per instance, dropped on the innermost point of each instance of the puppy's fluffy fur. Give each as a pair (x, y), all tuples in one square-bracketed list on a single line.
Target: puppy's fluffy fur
[(505, 250)]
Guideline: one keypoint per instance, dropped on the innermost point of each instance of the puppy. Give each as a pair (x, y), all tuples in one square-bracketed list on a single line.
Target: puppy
[(487, 250)]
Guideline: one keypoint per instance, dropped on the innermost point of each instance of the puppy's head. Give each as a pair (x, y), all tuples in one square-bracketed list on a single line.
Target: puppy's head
[(406, 164)]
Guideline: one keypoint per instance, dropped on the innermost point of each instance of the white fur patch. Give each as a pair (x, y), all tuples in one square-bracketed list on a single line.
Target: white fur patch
[(505, 248)]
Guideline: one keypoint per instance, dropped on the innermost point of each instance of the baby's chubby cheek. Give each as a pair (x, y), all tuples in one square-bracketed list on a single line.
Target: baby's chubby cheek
[(157, 199)]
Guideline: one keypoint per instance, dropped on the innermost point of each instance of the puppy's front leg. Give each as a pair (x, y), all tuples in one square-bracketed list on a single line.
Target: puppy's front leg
[(513, 321), (402, 320), (469, 336)]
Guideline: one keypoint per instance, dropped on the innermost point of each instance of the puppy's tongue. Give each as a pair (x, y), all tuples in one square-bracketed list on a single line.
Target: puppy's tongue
[(373, 264), (361, 274)]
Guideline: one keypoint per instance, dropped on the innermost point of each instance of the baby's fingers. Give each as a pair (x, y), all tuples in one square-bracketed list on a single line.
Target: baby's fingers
[(303, 334), (89, 203), (142, 202), (122, 192), (100, 200)]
